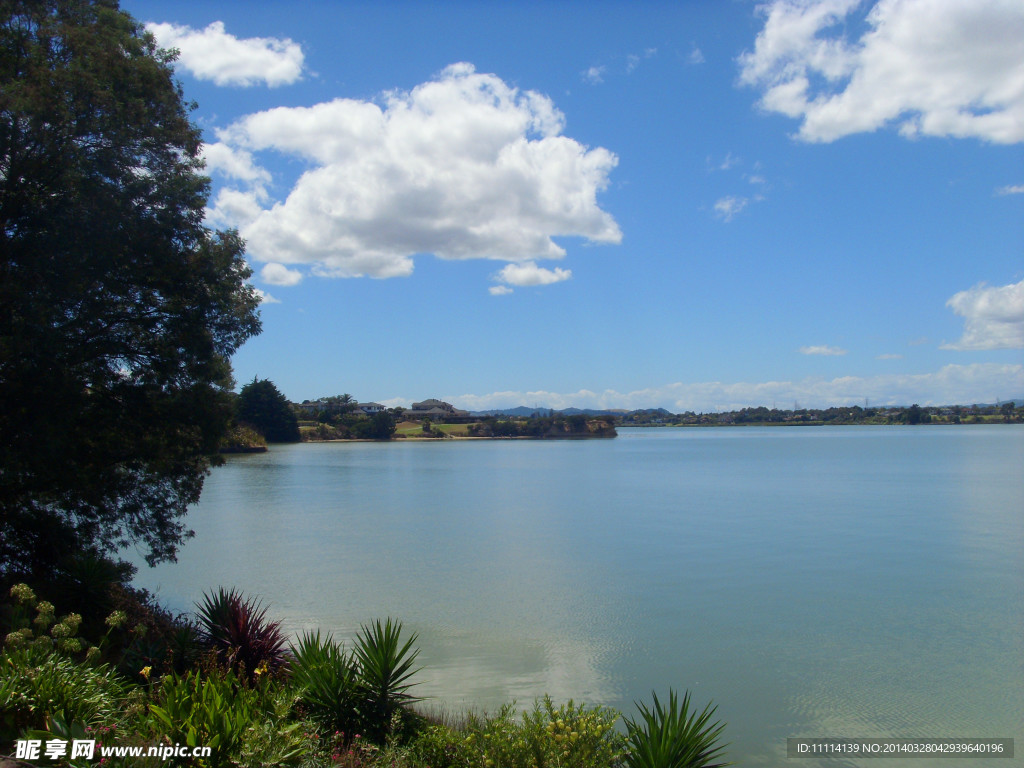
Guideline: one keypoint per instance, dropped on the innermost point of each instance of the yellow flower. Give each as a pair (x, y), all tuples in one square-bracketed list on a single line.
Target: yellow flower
[(23, 594), (261, 669), (146, 671)]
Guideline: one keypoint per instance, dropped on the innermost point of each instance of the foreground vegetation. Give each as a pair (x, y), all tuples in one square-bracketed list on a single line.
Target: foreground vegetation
[(230, 680)]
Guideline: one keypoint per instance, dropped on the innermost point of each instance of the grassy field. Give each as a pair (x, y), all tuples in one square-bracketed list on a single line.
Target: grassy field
[(415, 429)]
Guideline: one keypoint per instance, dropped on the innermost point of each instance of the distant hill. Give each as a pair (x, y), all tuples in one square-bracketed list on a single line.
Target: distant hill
[(522, 410)]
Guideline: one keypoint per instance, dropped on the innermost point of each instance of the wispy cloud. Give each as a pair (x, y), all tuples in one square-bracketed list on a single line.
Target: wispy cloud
[(951, 68), (696, 56), (889, 356), (213, 54), (730, 161), (633, 60), (952, 384), (594, 75), (823, 349), (1011, 189), (727, 208), (993, 317)]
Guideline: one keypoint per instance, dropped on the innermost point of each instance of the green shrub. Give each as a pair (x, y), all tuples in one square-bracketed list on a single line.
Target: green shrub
[(570, 736), (212, 711), (326, 679), (674, 737), (498, 740), (275, 739), (66, 732), (573, 735), (439, 746), (37, 682)]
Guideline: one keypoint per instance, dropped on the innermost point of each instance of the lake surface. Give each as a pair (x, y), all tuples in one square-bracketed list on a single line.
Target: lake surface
[(811, 581)]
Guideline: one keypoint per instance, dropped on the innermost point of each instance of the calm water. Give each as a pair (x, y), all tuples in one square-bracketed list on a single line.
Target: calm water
[(850, 581)]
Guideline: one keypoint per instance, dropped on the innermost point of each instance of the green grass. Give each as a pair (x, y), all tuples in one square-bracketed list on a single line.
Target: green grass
[(408, 429)]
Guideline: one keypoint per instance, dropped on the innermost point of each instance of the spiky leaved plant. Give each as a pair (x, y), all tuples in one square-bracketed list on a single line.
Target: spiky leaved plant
[(674, 737), (326, 678), (385, 667), (238, 631)]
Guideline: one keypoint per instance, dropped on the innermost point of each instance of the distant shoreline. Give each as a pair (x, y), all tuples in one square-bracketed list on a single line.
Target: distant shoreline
[(418, 439)]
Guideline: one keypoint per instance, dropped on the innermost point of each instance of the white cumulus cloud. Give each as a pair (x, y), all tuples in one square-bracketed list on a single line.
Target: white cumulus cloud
[(528, 273), (823, 349), (993, 317), (933, 67), (266, 298), (464, 166), (214, 54), (279, 274), (233, 163)]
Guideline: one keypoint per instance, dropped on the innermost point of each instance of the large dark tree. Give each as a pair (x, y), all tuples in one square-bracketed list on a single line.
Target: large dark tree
[(119, 310), (262, 406)]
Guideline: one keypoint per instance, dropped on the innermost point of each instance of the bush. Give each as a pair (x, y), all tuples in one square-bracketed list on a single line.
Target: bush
[(37, 683), (439, 746), (214, 712), (570, 736), (327, 682), (674, 737)]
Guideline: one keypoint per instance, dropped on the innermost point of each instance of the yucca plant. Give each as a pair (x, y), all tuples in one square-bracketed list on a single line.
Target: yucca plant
[(674, 737), (385, 668), (239, 633), (327, 680)]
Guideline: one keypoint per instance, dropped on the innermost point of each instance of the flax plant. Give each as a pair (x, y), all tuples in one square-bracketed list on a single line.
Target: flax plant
[(385, 668), (674, 737), (326, 677)]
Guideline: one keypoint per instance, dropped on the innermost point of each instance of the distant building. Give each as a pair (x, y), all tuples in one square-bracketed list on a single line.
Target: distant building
[(435, 410), (334, 405)]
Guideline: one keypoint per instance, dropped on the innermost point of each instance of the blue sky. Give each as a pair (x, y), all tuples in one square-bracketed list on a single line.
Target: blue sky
[(697, 206)]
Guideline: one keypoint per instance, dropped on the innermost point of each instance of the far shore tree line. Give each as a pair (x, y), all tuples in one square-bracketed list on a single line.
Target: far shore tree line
[(264, 415), (1007, 413)]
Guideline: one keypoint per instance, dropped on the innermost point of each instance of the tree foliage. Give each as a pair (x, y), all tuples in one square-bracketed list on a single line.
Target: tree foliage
[(119, 310), (262, 406)]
